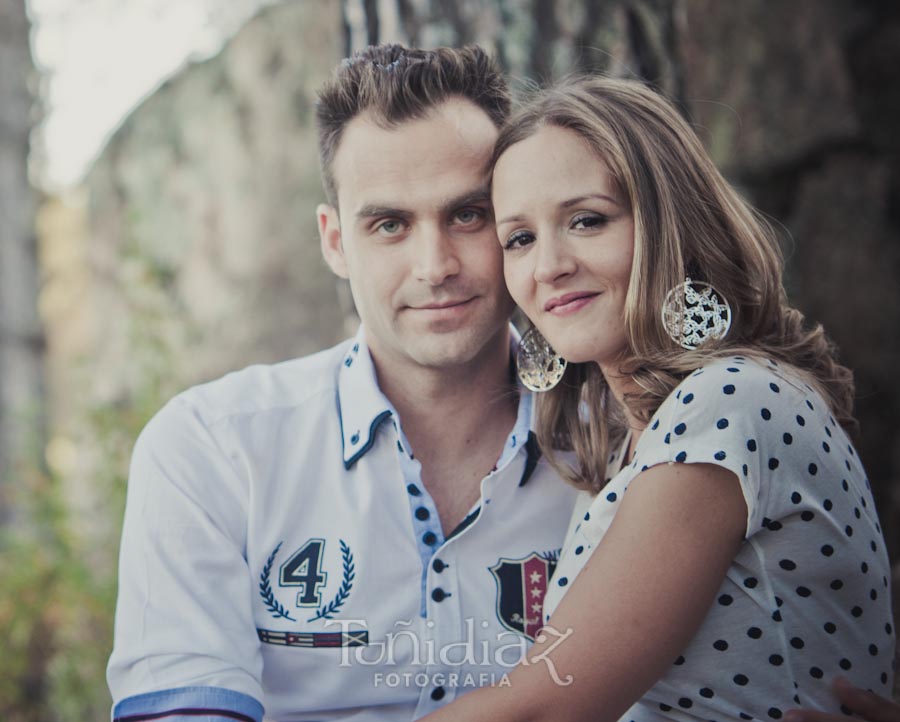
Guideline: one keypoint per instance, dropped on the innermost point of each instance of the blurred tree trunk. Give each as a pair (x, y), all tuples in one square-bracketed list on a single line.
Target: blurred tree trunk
[(21, 341)]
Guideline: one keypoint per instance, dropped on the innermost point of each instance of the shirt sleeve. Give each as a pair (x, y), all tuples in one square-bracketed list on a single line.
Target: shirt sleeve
[(185, 637), (725, 414)]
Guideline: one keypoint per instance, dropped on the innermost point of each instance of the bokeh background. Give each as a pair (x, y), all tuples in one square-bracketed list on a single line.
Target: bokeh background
[(158, 177)]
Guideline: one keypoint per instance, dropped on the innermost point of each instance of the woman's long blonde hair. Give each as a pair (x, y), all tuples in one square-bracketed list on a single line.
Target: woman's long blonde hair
[(688, 221)]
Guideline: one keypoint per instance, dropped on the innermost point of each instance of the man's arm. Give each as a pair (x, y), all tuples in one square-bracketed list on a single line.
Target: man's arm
[(185, 638), (867, 705)]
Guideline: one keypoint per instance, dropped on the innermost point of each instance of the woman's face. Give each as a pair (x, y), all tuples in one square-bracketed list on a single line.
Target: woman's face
[(568, 240)]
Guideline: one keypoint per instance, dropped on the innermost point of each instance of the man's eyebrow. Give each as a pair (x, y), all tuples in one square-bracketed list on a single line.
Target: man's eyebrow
[(481, 195), (376, 211)]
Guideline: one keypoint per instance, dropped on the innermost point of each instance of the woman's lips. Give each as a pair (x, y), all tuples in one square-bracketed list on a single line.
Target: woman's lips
[(570, 302)]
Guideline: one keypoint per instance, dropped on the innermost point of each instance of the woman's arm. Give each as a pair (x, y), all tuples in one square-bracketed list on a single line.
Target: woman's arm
[(633, 608)]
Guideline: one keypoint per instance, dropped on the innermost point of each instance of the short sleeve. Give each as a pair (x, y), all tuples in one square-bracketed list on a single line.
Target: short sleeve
[(184, 625), (728, 414)]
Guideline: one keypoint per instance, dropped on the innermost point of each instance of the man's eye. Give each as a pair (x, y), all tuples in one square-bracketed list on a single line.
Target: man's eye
[(469, 215), (389, 227), (588, 220), (519, 239)]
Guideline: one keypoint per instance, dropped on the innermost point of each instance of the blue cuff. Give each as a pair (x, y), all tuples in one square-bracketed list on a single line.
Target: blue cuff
[(190, 704)]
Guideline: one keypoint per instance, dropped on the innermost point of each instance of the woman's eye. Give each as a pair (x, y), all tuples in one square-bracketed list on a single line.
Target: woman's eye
[(519, 239), (589, 220)]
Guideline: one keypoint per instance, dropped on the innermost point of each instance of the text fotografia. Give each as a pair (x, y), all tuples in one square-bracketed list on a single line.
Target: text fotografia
[(420, 680), (506, 651)]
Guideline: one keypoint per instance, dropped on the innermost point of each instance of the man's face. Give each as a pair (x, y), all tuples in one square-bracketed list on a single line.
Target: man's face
[(415, 236)]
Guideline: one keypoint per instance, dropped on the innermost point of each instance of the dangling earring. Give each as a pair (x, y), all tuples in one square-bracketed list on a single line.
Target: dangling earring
[(694, 312), (539, 367)]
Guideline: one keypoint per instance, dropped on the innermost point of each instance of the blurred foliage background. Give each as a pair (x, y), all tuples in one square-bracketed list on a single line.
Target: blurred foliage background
[(189, 248)]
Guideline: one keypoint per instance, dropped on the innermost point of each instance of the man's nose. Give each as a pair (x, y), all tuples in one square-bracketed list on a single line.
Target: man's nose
[(436, 257)]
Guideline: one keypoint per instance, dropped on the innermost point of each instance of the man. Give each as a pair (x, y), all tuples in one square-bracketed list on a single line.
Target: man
[(367, 532)]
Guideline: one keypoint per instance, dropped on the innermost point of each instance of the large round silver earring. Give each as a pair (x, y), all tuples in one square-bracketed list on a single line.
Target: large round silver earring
[(694, 312), (539, 367)]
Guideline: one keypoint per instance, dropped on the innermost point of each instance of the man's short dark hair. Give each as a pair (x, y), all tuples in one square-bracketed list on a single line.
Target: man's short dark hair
[(394, 84)]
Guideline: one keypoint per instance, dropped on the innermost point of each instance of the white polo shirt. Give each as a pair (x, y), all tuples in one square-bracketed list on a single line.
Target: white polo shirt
[(279, 549)]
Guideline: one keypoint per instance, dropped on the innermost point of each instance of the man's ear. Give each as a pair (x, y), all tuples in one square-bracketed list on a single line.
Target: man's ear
[(330, 239)]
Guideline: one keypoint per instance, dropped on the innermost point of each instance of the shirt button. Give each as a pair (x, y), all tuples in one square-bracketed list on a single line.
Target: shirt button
[(437, 693), (429, 538), (422, 513), (438, 565), (439, 595)]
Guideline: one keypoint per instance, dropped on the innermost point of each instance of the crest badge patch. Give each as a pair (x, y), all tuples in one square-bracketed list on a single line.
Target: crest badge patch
[(521, 586)]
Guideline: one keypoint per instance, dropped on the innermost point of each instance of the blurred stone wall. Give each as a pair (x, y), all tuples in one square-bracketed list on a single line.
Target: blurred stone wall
[(203, 243)]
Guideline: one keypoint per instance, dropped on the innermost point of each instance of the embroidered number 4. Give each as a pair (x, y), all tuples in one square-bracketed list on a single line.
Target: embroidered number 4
[(304, 569)]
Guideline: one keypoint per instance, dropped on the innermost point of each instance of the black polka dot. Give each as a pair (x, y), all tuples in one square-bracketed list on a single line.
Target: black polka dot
[(745, 716), (804, 591), (856, 512), (830, 627), (845, 664), (579, 549), (776, 616), (725, 600), (844, 485), (776, 660), (655, 425), (413, 490), (754, 633), (720, 644), (774, 387), (728, 389), (751, 444), (732, 370), (744, 469), (668, 438), (773, 463), (816, 673), (856, 611), (797, 643), (888, 629), (825, 447), (873, 650), (664, 707), (766, 414), (685, 703), (707, 692), (772, 525), (774, 713), (587, 516), (807, 515), (680, 429), (864, 568), (719, 456), (722, 424), (812, 469), (678, 662), (751, 582), (787, 564), (687, 398), (787, 438), (827, 550), (836, 584), (800, 420), (827, 505), (563, 581), (796, 498), (682, 455), (611, 496), (741, 680), (848, 530)]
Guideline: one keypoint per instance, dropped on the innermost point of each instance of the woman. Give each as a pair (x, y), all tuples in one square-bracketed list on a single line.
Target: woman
[(746, 566)]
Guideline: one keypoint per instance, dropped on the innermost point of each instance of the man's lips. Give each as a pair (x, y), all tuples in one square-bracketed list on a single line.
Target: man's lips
[(441, 305), (570, 302)]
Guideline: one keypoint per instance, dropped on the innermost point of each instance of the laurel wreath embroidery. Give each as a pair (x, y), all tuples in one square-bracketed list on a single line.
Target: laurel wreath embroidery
[(328, 611), (265, 589)]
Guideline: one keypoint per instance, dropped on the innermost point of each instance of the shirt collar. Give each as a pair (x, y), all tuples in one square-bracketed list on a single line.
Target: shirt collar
[(362, 407)]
